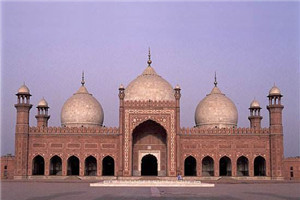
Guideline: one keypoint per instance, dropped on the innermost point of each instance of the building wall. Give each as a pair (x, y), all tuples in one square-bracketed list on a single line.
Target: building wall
[(7, 166), (79, 142), (216, 145), (291, 168)]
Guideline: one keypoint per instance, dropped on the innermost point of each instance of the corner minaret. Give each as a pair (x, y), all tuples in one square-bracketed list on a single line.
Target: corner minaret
[(23, 107), (42, 116), (276, 133), (121, 126), (275, 110), (177, 95), (255, 117)]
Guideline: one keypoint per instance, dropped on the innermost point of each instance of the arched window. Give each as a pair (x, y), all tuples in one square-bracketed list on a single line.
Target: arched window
[(207, 166), (90, 166), (259, 166), (225, 166), (190, 166), (73, 166), (108, 166), (55, 165), (38, 165), (242, 166)]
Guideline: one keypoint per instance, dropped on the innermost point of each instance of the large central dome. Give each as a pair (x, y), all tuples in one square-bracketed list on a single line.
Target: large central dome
[(149, 86)]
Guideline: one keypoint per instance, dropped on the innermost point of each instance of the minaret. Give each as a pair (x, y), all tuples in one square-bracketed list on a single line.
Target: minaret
[(276, 132), (255, 117), (23, 107), (275, 110), (121, 126), (177, 95), (42, 116)]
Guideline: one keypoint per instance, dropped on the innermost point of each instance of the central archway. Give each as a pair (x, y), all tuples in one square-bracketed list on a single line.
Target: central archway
[(149, 165), (149, 138)]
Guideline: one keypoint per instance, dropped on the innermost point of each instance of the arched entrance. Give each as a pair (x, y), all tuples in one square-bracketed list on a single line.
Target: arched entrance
[(55, 165), (225, 166), (149, 165), (242, 166), (73, 166), (38, 165), (149, 137), (259, 166), (108, 166), (90, 164), (190, 166), (207, 166)]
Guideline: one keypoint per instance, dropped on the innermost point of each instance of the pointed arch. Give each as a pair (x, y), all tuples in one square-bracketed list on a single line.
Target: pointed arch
[(190, 166), (73, 166), (90, 165), (55, 165), (225, 166), (108, 166), (149, 136), (207, 166), (150, 119), (242, 166), (149, 165), (259, 166), (38, 165)]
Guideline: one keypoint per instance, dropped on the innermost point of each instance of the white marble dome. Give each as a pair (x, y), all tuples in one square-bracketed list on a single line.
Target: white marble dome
[(149, 86), (23, 89), (82, 110), (43, 103), (274, 91), (254, 104), (216, 111)]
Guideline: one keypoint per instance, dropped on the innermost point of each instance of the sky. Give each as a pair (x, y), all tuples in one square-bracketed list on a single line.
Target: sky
[(251, 46)]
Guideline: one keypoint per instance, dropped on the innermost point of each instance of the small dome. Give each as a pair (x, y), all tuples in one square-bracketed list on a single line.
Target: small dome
[(177, 87), (274, 91), (82, 109), (23, 90), (254, 104), (216, 110), (149, 86), (42, 103)]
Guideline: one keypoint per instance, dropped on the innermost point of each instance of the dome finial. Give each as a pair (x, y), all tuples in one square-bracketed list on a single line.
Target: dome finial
[(82, 79), (216, 83), (149, 60)]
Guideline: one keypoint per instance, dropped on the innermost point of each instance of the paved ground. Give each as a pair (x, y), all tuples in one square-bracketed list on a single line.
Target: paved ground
[(41, 190)]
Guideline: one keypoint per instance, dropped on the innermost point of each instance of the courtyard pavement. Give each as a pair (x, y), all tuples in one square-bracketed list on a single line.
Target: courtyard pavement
[(80, 190)]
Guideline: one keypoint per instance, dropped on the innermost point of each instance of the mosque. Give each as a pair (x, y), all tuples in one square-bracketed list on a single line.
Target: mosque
[(149, 140)]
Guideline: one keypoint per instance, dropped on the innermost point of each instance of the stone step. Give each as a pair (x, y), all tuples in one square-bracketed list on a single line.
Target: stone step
[(150, 183)]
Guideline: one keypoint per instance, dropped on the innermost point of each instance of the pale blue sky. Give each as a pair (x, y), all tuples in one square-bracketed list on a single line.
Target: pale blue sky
[(251, 45)]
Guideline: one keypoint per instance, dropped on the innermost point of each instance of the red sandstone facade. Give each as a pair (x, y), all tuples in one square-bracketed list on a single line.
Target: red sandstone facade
[(7, 167), (148, 141), (291, 168)]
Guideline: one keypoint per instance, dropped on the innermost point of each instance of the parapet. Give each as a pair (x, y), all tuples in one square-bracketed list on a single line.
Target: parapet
[(149, 103), (223, 131), (71, 130)]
